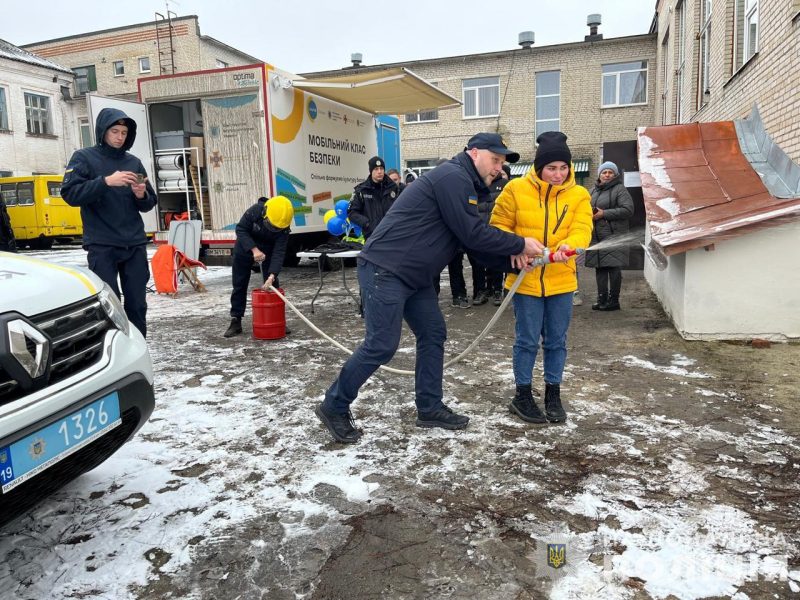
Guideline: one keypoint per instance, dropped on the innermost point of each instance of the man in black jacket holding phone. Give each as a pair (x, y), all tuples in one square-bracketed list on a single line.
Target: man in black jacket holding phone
[(110, 186)]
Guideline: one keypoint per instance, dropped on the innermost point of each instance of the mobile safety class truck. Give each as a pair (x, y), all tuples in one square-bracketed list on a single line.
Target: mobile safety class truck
[(215, 141)]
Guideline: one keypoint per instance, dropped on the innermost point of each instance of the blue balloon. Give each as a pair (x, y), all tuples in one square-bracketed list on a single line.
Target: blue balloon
[(336, 226), (356, 230), (341, 207)]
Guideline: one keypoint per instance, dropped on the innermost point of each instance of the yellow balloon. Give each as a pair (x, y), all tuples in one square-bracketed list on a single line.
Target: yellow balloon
[(328, 216)]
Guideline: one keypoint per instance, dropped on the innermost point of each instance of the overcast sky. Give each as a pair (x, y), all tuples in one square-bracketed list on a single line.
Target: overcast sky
[(311, 35)]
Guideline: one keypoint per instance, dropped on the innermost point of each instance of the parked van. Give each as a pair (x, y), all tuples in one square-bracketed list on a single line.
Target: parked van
[(39, 216)]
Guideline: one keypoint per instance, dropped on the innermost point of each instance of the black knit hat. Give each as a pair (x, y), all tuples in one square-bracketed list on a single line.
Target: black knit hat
[(552, 147), (375, 162)]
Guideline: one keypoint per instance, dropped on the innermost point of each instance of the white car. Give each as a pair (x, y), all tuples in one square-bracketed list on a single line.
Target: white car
[(76, 379)]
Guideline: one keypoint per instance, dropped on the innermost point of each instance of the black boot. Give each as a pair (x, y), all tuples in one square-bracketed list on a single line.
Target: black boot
[(602, 301), (552, 403), (612, 304), (525, 407), (235, 328)]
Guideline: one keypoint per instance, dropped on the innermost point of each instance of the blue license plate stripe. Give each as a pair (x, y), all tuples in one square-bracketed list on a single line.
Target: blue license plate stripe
[(35, 453)]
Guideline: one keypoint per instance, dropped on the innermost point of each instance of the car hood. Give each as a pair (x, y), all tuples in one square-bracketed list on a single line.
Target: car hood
[(32, 286)]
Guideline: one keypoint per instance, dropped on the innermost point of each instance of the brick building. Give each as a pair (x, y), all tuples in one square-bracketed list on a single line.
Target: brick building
[(110, 61), (34, 137), (716, 59), (598, 90)]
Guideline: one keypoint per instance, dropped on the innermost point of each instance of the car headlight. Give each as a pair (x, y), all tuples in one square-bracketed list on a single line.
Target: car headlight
[(113, 307)]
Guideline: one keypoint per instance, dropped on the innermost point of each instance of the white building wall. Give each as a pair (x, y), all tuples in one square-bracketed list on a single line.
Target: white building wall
[(669, 287), (23, 153), (747, 287)]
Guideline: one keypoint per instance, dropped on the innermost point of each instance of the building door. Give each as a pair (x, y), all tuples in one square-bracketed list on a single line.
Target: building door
[(625, 156)]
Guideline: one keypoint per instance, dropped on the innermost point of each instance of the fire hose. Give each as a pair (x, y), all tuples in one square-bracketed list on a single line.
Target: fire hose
[(545, 258)]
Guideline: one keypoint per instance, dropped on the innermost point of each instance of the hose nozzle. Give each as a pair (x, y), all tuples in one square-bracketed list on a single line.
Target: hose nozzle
[(547, 256)]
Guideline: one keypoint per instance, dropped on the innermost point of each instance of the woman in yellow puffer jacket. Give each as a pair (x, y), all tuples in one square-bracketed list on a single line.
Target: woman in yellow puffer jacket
[(548, 205)]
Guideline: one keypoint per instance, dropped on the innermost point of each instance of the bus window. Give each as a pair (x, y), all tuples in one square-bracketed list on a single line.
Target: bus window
[(9, 191), (25, 193), (54, 188)]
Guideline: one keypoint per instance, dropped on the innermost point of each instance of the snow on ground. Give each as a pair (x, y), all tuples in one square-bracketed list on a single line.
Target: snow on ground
[(233, 440)]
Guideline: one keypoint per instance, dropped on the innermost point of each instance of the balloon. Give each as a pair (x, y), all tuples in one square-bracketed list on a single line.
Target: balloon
[(356, 230), (336, 226), (328, 216), (341, 207)]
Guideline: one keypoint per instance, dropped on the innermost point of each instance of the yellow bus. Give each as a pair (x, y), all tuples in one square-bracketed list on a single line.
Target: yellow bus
[(39, 216)]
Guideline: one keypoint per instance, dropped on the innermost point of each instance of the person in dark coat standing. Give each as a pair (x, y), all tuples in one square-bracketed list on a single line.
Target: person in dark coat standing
[(427, 225), (8, 242), (110, 186), (487, 282), (395, 176), (372, 198), (262, 235), (612, 206)]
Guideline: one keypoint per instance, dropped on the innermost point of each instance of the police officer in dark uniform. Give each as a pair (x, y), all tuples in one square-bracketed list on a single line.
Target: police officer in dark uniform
[(372, 198), (427, 225), (262, 235)]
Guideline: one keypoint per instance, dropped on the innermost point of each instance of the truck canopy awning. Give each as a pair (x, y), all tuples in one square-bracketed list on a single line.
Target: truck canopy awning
[(393, 91)]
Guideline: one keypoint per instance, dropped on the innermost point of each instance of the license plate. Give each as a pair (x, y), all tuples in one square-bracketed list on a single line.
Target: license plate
[(33, 454), (218, 252)]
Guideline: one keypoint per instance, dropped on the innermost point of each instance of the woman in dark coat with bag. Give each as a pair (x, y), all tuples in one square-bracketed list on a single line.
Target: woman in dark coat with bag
[(612, 206)]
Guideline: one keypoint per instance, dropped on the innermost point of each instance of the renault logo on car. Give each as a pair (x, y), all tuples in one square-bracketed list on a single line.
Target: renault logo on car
[(29, 346)]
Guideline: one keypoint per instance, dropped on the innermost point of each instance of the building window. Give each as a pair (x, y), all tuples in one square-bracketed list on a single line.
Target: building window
[(37, 114), (705, 38), (548, 101), (423, 116), (3, 110), (119, 68), (681, 19), (667, 80), (221, 64), (144, 64), (86, 133), (85, 80), (746, 41), (625, 84), (420, 166), (481, 97)]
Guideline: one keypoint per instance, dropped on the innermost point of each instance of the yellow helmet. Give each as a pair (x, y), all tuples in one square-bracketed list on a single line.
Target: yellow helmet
[(279, 211)]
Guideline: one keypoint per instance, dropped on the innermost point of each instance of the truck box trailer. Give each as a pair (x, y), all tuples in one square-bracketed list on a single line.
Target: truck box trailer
[(215, 141)]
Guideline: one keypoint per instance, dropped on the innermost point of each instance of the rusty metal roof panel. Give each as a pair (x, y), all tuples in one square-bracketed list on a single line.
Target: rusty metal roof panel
[(700, 186)]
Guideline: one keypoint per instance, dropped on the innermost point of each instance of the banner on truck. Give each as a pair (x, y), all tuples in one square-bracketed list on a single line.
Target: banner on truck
[(321, 149)]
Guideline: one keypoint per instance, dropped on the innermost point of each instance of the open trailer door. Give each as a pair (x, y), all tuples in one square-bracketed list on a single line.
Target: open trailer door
[(141, 149)]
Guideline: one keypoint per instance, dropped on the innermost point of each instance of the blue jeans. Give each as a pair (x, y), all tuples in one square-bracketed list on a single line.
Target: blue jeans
[(387, 301), (546, 319)]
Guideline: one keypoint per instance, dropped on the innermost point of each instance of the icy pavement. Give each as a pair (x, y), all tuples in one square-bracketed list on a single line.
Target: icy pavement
[(675, 476)]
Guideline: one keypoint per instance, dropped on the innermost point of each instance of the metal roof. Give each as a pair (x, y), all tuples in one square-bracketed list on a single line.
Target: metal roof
[(701, 187), (16, 53)]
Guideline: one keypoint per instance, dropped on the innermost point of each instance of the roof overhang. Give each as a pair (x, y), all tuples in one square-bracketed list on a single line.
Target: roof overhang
[(392, 91), (700, 187)]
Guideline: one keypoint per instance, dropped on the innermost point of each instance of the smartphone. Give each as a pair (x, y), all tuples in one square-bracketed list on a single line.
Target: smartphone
[(139, 178)]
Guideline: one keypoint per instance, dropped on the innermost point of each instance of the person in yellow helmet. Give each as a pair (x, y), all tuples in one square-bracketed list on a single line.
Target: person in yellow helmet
[(262, 235)]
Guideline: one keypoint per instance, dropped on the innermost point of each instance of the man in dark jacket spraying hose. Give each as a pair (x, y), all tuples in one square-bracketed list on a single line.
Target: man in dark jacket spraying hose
[(262, 235), (427, 225), (110, 186)]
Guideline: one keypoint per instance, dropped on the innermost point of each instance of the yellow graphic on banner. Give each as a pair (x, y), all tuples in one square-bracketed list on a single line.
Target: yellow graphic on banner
[(285, 130)]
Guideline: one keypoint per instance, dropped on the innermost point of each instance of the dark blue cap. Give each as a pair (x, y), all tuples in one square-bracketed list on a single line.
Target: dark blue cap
[(494, 143)]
